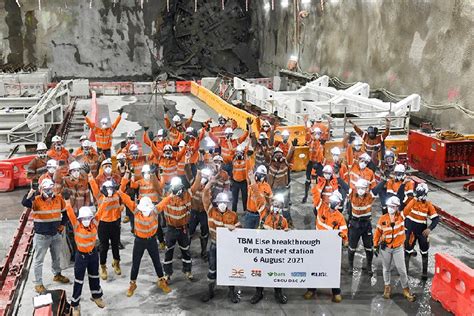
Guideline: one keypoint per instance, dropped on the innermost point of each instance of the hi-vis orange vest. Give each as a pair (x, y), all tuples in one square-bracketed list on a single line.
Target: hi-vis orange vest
[(145, 226), (85, 237), (176, 209), (103, 136)]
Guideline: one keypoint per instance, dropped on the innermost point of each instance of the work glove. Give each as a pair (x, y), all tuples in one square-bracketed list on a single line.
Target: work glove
[(145, 128), (84, 113), (120, 111), (294, 142), (66, 194), (193, 111), (86, 168), (153, 169), (150, 135), (186, 139), (249, 121), (166, 109)]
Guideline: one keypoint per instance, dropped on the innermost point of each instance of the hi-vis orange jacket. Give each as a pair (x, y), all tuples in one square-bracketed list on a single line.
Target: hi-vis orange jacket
[(150, 188), (137, 165), (272, 221), (110, 208), (327, 220), (323, 190), (241, 169), (169, 166), (156, 148), (47, 213), (92, 160), (228, 146), (260, 194), (394, 235), (79, 189), (85, 237), (316, 150), (419, 211), (145, 226), (36, 168), (361, 206), (175, 134), (176, 209), (355, 174), (103, 136)]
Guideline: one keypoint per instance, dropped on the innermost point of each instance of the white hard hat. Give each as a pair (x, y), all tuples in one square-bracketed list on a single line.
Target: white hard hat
[(41, 146), (85, 212), (51, 163), (146, 168), (222, 198), (263, 135), (86, 143), (206, 172), (217, 158), (160, 132), (317, 130), (131, 134), (362, 183), (422, 187), (108, 184), (104, 120), (357, 142), (285, 133), (335, 151), (176, 181), (176, 118), (121, 156), (189, 129), (74, 165), (47, 184), (393, 201), (168, 147), (107, 161), (336, 196), (279, 198), (327, 169), (182, 143), (365, 157), (240, 148), (277, 150), (133, 147), (399, 168), (261, 169), (228, 130), (145, 204), (56, 138), (83, 137), (266, 123)]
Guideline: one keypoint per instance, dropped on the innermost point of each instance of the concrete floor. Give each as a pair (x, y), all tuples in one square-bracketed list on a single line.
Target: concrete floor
[(362, 295)]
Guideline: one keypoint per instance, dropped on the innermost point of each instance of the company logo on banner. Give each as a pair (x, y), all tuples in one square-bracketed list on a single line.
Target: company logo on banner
[(273, 258)]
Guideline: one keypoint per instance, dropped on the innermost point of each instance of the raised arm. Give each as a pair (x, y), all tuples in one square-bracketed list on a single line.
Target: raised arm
[(206, 195), (70, 213), (127, 201), (116, 122), (386, 132), (94, 187), (90, 123), (243, 137)]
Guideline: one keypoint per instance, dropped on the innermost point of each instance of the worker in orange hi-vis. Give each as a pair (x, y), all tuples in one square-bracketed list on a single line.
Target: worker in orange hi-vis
[(222, 124), (228, 145), (221, 176), (156, 143), (37, 167), (136, 161), (131, 140), (103, 133), (177, 128), (317, 122), (107, 173), (168, 165), (257, 183), (389, 238), (145, 229), (80, 149), (264, 126), (60, 154), (324, 188), (352, 144), (316, 158), (193, 140), (241, 166), (329, 218), (85, 226), (338, 164), (361, 171), (89, 157), (373, 141)]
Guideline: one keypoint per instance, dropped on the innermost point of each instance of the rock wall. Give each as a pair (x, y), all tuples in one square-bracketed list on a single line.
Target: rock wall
[(118, 39), (405, 46)]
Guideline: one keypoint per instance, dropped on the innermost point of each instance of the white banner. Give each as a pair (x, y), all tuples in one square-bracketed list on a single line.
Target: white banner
[(275, 258)]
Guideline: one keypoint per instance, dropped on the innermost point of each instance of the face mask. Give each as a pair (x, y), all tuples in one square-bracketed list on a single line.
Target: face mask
[(110, 192), (327, 176), (222, 207), (266, 128), (52, 170), (146, 176), (285, 139), (263, 142), (104, 125), (362, 165), (335, 158), (160, 139), (276, 209), (58, 147), (399, 176), (421, 198), (108, 170), (360, 192), (86, 222), (42, 155), (168, 154), (146, 212), (75, 174), (357, 147), (317, 136), (134, 155), (121, 162), (333, 205), (86, 152), (204, 181), (48, 193), (391, 210)]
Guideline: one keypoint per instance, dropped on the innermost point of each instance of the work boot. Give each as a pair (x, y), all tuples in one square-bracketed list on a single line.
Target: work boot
[(210, 293), (387, 291), (98, 301), (189, 275), (116, 266), (351, 255), (103, 272), (76, 311), (61, 279), (126, 219), (162, 245), (307, 185), (409, 296), (309, 294), (280, 297), (233, 295), (203, 248), (370, 256), (424, 264), (40, 289), (163, 285), (131, 288), (337, 298), (257, 297)]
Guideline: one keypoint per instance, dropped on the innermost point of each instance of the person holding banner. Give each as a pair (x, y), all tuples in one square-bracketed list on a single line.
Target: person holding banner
[(329, 218), (219, 215), (389, 238)]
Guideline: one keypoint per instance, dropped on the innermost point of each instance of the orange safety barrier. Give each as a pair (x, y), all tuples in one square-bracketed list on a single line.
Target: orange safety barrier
[(296, 131), (19, 170), (6, 177), (183, 86), (453, 285)]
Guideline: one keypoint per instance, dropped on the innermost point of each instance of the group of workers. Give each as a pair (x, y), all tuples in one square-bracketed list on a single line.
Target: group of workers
[(195, 177)]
